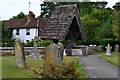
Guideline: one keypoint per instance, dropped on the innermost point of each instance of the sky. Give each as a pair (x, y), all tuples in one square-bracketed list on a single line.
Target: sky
[(9, 8)]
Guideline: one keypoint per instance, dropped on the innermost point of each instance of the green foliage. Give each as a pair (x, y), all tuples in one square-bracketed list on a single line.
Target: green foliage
[(9, 44), (6, 33), (83, 7), (41, 44), (19, 16), (65, 42), (112, 42), (98, 25), (29, 44), (44, 43), (64, 71), (116, 25)]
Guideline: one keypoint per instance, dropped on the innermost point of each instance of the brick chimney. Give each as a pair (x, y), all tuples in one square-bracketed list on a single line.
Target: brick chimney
[(30, 16)]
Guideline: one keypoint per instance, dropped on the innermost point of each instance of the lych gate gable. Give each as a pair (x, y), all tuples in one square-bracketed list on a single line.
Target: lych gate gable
[(64, 24)]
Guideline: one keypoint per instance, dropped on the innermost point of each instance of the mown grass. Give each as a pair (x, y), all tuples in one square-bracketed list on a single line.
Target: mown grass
[(96, 53), (0, 67), (113, 59), (79, 67), (9, 69)]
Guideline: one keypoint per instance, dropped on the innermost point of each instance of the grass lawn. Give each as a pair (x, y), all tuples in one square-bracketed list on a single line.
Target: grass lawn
[(112, 59), (9, 69)]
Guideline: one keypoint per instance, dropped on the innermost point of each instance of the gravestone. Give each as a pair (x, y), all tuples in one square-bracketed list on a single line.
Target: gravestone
[(116, 48), (61, 47), (35, 54), (64, 53), (51, 57), (19, 54), (108, 50)]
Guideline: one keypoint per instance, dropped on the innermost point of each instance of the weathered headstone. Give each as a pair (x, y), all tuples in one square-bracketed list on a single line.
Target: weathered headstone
[(61, 47), (51, 57), (108, 50), (35, 54), (19, 53), (116, 48), (64, 53)]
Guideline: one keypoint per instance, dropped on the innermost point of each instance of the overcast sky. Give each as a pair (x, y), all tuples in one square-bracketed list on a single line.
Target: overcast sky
[(9, 8)]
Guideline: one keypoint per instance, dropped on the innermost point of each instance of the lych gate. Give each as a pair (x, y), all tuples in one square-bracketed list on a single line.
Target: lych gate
[(64, 24)]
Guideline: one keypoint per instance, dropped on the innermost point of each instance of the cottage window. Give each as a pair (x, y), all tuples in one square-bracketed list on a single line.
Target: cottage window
[(27, 41), (27, 31), (17, 31)]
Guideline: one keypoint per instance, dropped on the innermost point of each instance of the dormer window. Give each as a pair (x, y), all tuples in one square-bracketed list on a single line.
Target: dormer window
[(17, 31), (27, 31)]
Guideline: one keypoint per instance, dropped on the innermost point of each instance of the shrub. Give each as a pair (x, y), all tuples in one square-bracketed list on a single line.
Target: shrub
[(29, 44), (64, 71), (65, 42), (44, 43), (9, 44), (112, 42)]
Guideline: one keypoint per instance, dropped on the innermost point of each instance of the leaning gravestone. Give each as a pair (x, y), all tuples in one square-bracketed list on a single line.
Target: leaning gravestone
[(19, 54), (61, 51), (116, 48), (51, 57), (108, 50)]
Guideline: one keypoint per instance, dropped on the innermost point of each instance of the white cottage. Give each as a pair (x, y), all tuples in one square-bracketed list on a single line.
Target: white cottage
[(26, 29)]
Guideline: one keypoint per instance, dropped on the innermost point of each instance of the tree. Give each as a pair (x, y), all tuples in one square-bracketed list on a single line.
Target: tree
[(116, 25), (98, 25), (6, 33), (117, 6), (116, 20), (83, 7), (19, 16)]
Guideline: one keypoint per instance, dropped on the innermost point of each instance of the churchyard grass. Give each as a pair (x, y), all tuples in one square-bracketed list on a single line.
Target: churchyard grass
[(9, 69), (79, 67), (95, 53), (113, 59)]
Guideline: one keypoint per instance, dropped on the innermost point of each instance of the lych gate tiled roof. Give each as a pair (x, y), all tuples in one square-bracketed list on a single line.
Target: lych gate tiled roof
[(59, 22), (23, 23)]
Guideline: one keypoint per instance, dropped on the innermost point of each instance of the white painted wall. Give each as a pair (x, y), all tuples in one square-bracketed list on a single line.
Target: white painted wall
[(22, 34)]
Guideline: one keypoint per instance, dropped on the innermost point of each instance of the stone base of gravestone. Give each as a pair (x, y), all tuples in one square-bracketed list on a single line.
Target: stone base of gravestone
[(107, 54), (35, 56)]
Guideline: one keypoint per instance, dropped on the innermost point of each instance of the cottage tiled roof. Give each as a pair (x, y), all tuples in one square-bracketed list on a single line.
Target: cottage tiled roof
[(60, 21), (24, 23)]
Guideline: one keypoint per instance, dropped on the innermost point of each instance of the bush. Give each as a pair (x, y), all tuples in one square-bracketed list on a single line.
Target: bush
[(9, 44), (64, 71), (44, 43), (29, 44), (112, 42), (65, 42)]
